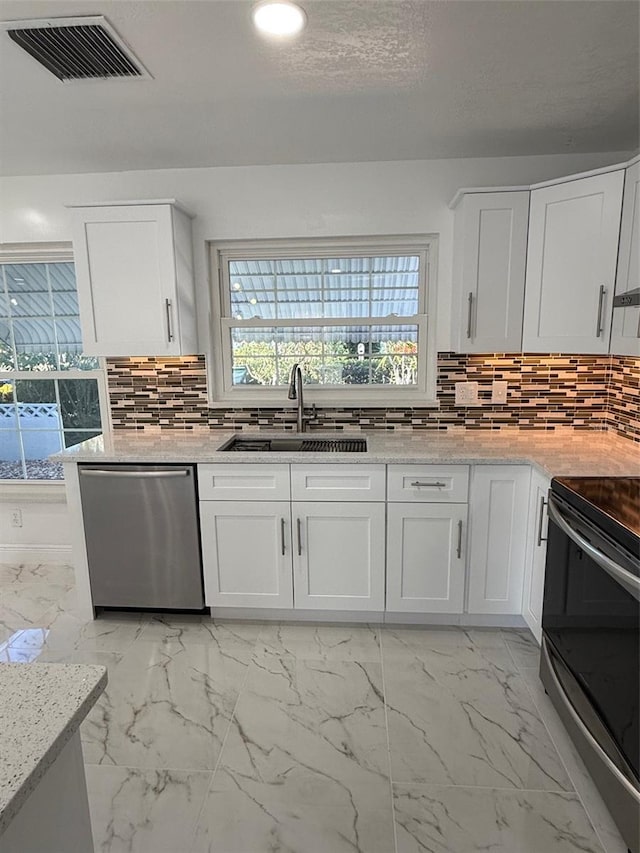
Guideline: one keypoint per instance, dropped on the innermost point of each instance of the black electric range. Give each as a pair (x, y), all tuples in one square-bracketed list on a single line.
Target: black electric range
[(591, 632)]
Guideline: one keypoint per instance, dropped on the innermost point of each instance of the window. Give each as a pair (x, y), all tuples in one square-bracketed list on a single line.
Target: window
[(51, 395), (357, 315)]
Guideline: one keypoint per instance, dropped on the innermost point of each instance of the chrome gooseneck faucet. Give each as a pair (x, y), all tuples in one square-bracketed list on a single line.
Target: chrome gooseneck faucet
[(295, 393)]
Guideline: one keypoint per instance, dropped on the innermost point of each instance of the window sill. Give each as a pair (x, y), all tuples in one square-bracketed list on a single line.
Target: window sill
[(35, 491), (335, 402)]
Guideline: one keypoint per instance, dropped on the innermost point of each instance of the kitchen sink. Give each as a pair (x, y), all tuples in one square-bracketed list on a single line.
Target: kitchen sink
[(295, 444)]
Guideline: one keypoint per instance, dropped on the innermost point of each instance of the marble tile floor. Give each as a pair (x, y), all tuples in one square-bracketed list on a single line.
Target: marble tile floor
[(270, 738)]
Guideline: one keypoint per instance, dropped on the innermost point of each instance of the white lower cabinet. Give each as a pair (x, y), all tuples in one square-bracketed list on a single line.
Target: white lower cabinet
[(410, 554), (246, 551), (426, 557), (536, 554), (497, 538), (338, 555)]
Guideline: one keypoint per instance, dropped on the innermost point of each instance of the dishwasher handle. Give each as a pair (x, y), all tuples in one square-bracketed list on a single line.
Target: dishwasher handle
[(102, 472)]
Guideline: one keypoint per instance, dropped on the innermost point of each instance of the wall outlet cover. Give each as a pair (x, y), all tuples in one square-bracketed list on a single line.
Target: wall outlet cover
[(467, 394), (16, 518), (498, 391)]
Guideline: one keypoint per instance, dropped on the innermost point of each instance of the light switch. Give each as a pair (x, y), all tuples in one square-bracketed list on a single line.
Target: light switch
[(499, 391), (467, 394)]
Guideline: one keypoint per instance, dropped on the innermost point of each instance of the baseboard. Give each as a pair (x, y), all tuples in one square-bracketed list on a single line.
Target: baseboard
[(337, 617), (55, 554), (267, 614)]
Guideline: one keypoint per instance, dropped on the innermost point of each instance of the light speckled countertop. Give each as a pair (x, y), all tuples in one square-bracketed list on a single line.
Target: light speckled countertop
[(41, 707), (556, 453)]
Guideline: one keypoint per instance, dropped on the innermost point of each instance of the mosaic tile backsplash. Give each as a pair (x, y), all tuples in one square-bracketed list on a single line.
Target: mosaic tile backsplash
[(544, 392)]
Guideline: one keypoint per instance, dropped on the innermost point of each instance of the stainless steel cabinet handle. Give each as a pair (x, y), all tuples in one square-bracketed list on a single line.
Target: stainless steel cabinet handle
[(282, 534), (299, 537), (599, 328), (141, 475), (626, 580), (469, 314), (541, 539), (435, 485), (459, 548), (167, 305)]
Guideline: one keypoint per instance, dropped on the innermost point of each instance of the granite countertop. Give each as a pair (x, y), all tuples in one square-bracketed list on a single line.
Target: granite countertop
[(562, 452), (41, 707)]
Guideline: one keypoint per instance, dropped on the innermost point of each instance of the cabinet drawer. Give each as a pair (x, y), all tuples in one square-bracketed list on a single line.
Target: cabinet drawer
[(244, 482), (337, 482), (428, 483)]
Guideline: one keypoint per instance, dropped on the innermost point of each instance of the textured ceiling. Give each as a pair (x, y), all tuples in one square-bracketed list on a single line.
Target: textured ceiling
[(367, 80)]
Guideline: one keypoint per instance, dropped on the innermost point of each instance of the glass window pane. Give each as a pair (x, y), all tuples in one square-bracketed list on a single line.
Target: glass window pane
[(30, 304), (395, 263), (26, 278), (37, 446), (65, 304), (4, 300), (36, 403), (62, 277), (254, 371), (347, 265), (35, 391), (7, 358), (69, 342), (75, 437), (338, 355), (79, 403), (35, 344), (10, 453)]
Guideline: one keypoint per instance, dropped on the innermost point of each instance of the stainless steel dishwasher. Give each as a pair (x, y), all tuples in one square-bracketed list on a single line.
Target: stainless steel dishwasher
[(141, 530)]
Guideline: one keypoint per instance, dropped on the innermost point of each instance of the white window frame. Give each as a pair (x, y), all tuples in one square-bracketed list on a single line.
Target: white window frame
[(51, 253), (223, 394)]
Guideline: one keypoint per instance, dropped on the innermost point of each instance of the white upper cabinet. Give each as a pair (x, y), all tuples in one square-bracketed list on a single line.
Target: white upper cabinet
[(134, 269), (490, 249), (625, 330), (571, 264)]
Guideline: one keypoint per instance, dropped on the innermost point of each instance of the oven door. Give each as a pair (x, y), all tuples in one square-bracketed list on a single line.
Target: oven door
[(591, 621)]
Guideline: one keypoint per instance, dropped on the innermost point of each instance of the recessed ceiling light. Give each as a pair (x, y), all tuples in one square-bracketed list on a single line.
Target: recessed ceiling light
[(279, 18)]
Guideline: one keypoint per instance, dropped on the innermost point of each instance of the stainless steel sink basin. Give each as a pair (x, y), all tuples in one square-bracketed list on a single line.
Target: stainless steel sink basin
[(295, 444)]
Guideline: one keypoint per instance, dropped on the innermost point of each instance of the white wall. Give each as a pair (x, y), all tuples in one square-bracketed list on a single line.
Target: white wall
[(341, 199), (44, 535)]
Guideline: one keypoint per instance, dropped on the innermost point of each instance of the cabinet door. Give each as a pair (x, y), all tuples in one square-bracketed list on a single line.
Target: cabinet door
[(625, 331), (536, 554), (498, 533), (426, 557), (246, 553), (571, 265), (125, 267), (338, 555), (489, 268)]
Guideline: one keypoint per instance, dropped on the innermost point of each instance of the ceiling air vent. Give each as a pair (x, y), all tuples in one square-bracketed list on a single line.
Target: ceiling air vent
[(86, 48)]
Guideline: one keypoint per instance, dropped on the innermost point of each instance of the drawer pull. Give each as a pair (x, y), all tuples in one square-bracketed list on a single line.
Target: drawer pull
[(436, 485), (282, 534), (298, 526)]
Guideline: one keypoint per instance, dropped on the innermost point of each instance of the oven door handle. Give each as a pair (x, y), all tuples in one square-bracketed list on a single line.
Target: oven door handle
[(627, 580)]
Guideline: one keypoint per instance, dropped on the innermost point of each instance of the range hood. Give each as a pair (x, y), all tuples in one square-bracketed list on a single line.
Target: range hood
[(627, 299)]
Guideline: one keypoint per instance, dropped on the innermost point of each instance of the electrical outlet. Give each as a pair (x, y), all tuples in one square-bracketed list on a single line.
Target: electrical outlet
[(467, 394), (498, 391), (16, 518)]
